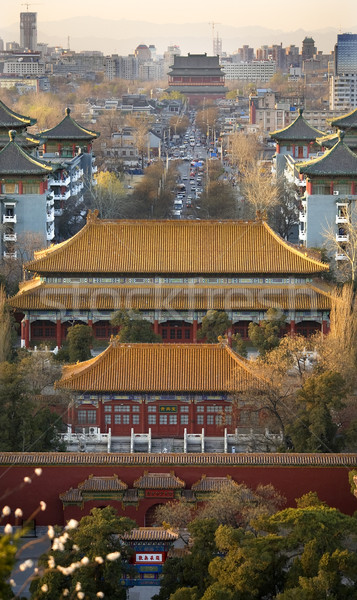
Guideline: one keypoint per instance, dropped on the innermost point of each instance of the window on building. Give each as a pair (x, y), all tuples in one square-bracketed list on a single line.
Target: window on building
[(218, 419), (210, 419), (199, 419), (117, 419), (164, 334), (152, 419), (187, 334), (86, 417), (172, 419), (184, 419), (200, 409), (135, 408), (184, 409), (30, 188), (136, 419), (107, 408), (151, 409), (163, 419), (126, 419), (121, 408)]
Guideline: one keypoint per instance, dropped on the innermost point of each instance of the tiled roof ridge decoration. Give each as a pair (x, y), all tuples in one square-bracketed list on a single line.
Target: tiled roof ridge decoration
[(154, 481), (15, 117), (179, 367), (90, 459), (130, 246), (300, 121), (316, 165), (14, 159), (74, 129)]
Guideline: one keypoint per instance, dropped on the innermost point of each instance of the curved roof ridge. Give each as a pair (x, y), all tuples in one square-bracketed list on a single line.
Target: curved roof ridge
[(298, 118), (58, 247), (75, 370), (304, 254), (334, 120), (28, 157), (23, 118), (327, 154)]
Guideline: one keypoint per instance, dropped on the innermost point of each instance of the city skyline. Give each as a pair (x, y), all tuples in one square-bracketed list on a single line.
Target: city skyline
[(316, 15)]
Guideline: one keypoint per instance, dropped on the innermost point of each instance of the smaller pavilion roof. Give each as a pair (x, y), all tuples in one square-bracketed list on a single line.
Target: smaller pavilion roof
[(152, 534), (14, 160), (299, 130), (213, 484), (69, 129), (339, 161), (348, 121), (9, 119), (100, 484), (159, 481)]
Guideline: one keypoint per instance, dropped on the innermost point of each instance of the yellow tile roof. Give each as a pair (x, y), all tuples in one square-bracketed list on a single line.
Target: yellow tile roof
[(111, 297), (159, 368), (174, 247), (213, 484), (150, 534), (158, 481)]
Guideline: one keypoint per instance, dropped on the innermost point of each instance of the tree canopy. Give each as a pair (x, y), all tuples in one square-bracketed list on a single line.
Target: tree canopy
[(133, 328)]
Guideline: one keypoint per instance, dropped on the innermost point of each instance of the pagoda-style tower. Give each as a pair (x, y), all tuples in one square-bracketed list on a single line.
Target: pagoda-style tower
[(197, 76), (331, 191), (25, 203), (70, 144), (297, 140)]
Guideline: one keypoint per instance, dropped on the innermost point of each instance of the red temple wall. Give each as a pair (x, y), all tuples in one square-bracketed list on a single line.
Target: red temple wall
[(330, 483)]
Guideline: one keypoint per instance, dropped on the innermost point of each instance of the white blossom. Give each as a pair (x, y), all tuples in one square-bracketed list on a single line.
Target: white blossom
[(38, 471), (99, 560), (43, 505), (65, 592), (26, 565), (44, 588), (113, 556), (57, 545), (78, 586), (72, 524), (75, 547), (12, 582), (100, 594), (85, 560), (18, 513), (80, 595), (6, 511), (51, 562), (8, 529), (27, 479)]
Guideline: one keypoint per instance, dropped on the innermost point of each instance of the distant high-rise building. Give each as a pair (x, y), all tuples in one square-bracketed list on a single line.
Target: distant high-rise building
[(28, 30), (217, 46), (308, 48), (346, 54), (1, 44), (343, 84)]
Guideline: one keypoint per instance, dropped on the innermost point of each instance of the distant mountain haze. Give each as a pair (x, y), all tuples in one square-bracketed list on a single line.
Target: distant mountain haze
[(122, 36)]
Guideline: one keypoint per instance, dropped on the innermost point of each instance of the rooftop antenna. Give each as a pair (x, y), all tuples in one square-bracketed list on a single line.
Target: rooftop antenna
[(213, 23), (68, 45), (27, 4)]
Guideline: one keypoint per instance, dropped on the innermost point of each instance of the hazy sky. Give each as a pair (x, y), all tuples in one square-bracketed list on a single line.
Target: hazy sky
[(277, 14)]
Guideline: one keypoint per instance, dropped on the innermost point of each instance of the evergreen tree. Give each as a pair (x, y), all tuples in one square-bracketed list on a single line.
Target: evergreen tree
[(133, 328)]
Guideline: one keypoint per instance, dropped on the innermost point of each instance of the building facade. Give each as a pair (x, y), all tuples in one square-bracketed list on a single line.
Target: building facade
[(173, 272), (28, 30), (198, 77)]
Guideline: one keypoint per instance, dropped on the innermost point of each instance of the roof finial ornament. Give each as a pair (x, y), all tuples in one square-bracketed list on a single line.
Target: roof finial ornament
[(301, 110), (341, 135), (92, 216), (68, 111), (261, 215), (12, 135)]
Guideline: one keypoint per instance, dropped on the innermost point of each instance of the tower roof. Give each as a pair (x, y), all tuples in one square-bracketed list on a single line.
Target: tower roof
[(160, 368), (163, 247), (299, 130), (16, 161), (339, 161), (348, 121), (69, 129), (9, 119)]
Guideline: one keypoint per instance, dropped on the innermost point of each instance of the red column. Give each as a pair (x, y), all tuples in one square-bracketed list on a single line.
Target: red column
[(353, 188), (58, 333), (100, 411), (21, 187), (229, 336), (194, 331), (292, 328), (331, 187), (156, 326), (191, 418), (324, 327), (144, 427), (293, 148)]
